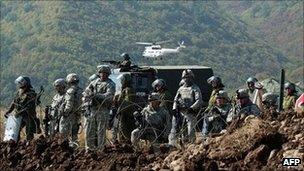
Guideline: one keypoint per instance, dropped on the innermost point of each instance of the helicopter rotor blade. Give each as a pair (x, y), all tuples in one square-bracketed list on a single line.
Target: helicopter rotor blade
[(162, 42), (143, 43)]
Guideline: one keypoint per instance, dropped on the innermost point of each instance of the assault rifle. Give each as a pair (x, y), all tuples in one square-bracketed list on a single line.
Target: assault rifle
[(178, 116), (46, 120)]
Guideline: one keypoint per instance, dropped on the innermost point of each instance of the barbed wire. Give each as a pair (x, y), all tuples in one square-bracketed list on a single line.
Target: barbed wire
[(121, 108)]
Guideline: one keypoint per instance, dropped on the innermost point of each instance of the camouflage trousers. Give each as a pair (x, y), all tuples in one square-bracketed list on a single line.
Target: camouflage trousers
[(96, 126), (187, 131), (126, 125), (54, 125), (69, 127), (31, 125)]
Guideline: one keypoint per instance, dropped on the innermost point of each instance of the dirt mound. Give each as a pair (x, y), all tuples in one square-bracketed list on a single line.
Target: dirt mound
[(248, 144), (55, 154)]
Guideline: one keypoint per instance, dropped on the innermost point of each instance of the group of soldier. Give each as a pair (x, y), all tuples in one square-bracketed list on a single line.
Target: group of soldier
[(162, 119)]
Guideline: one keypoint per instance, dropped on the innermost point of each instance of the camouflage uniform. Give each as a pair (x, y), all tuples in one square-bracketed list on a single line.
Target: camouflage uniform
[(24, 105), (125, 113), (291, 97), (217, 86), (251, 109), (159, 86), (57, 102), (270, 101), (70, 121), (187, 101), (212, 100), (166, 100), (125, 65), (247, 109), (101, 93), (215, 120), (289, 102), (56, 107), (156, 121)]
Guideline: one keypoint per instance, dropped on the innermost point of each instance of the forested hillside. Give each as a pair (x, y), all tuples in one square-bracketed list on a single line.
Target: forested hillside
[(279, 22), (46, 40)]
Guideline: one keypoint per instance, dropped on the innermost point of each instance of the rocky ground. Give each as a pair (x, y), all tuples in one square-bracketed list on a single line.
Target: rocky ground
[(248, 144)]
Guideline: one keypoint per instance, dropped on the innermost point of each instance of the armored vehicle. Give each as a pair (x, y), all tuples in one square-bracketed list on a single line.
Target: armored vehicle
[(142, 78)]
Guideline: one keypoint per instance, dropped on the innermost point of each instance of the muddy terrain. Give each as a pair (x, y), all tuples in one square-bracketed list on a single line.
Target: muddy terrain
[(248, 144)]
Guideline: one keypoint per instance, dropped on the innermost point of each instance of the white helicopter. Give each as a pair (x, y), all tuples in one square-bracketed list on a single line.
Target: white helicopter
[(155, 51)]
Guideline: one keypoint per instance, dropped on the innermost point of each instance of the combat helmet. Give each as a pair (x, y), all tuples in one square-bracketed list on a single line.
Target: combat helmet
[(187, 73), (251, 80), (158, 82), (125, 56), (215, 79), (223, 94), (104, 69), (290, 85), (153, 97), (21, 82), (242, 93), (59, 82), (72, 78)]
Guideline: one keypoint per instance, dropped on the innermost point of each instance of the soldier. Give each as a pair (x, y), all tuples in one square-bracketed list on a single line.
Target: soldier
[(187, 103), (290, 96), (244, 106), (217, 85), (101, 91), (125, 65), (215, 120), (24, 105), (159, 86), (270, 104), (255, 91), (57, 102), (125, 105), (153, 121), (270, 101), (86, 101), (71, 109)]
